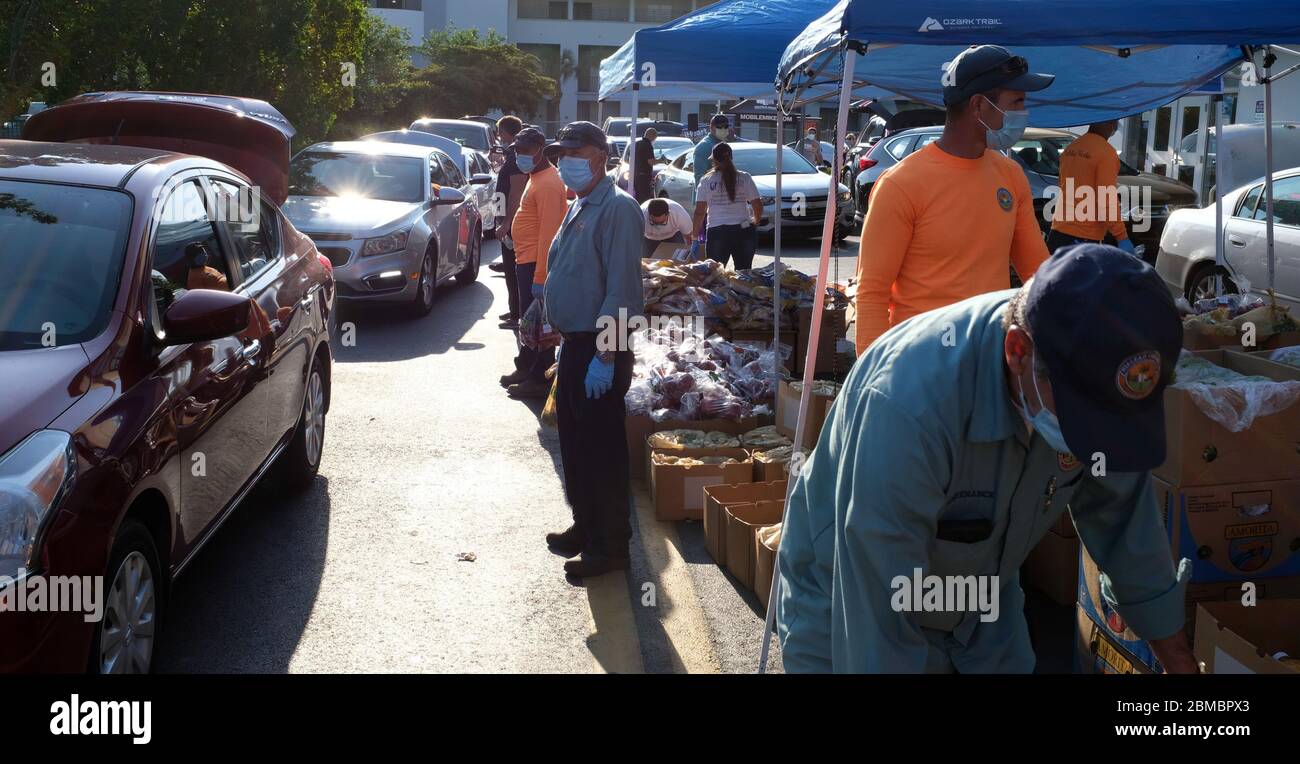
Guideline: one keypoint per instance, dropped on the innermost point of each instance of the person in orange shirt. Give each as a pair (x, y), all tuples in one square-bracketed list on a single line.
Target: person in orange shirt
[(944, 223), (541, 211), (1088, 207)]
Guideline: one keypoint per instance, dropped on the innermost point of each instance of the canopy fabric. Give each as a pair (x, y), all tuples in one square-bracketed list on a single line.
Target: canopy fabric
[(726, 50), (1112, 58)]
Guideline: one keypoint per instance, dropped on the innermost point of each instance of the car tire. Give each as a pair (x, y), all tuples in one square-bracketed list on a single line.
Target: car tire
[(1202, 280), (426, 288), (300, 461), (470, 273), (126, 636)]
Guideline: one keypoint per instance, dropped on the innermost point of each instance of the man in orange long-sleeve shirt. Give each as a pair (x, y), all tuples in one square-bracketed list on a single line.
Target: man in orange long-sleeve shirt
[(1088, 207), (541, 212), (944, 224)]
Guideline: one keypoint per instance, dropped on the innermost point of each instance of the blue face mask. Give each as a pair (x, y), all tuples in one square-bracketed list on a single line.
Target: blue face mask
[(1045, 422), (526, 163), (1013, 127), (576, 173)]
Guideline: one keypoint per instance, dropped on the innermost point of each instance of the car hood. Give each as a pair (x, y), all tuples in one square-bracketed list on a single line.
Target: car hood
[(811, 185), (244, 133), (358, 217), (43, 384), (1164, 190)]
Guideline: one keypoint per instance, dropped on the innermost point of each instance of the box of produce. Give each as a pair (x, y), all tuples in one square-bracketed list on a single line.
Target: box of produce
[(678, 478)]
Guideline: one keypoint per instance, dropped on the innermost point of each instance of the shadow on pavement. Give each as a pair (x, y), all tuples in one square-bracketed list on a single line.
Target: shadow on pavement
[(386, 333)]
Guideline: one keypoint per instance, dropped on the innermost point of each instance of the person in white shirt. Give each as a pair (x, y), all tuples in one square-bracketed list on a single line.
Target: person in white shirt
[(665, 221), (728, 199)]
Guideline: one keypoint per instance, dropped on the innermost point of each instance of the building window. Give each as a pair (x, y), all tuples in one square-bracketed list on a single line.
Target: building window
[(396, 5), (543, 9), (589, 58), (602, 10), (661, 11)]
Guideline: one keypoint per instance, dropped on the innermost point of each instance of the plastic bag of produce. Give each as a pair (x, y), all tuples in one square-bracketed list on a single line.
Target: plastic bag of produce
[(1230, 398), (550, 419), (1289, 355), (535, 332)]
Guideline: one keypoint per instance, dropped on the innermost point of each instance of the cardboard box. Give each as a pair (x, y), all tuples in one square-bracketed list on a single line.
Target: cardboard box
[(716, 500), (1095, 652), (1201, 451), (764, 565), (678, 491), (1111, 624), (1232, 638), (1052, 568), (640, 427), (787, 414), (671, 251), (766, 472), (1195, 341), (834, 325), (1236, 532), (743, 520)]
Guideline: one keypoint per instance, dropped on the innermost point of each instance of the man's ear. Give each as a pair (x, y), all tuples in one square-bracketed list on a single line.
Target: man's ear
[(1018, 349)]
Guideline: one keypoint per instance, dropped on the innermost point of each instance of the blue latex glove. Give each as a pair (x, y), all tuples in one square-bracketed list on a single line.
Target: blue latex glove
[(538, 290), (695, 250), (1127, 246), (600, 378)]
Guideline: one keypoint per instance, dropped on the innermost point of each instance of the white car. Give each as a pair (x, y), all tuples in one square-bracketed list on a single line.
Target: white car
[(1186, 257)]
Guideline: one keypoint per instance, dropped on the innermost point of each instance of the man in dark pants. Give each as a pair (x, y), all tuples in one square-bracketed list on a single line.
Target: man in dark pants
[(593, 289), (645, 165), (510, 189)]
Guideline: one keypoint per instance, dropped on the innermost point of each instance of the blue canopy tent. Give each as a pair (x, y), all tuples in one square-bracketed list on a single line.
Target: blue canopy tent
[(1111, 58)]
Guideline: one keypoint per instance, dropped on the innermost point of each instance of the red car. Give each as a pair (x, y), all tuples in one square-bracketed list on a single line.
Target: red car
[(164, 343)]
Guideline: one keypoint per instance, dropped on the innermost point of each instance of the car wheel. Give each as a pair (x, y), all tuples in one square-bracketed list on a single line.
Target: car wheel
[(470, 274), (301, 460), (427, 286), (126, 635), (1200, 285)]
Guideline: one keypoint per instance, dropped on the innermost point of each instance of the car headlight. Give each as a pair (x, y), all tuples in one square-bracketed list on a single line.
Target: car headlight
[(34, 476), (381, 245)]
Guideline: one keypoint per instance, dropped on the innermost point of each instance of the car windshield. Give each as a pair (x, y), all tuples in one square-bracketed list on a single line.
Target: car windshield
[(1043, 155), (763, 162), (62, 259), (367, 176), (473, 136), (619, 127)]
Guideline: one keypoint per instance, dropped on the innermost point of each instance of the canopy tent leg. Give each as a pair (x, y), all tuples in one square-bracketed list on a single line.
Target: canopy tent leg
[(814, 333), (1219, 255), (776, 244), (1268, 165), (631, 142), (600, 112)]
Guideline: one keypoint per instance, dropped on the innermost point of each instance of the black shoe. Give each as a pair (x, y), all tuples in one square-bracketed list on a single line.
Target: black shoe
[(529, 388), (510, 325), (507, 316), (566, 544), (497, 267), (514, 378), (590, 566)]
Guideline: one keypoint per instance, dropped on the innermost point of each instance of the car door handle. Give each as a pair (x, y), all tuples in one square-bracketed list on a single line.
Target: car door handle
[(1234, 241), (249, 352)]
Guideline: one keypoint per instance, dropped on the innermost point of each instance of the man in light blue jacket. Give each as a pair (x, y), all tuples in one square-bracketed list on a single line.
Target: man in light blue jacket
[(958, 439)]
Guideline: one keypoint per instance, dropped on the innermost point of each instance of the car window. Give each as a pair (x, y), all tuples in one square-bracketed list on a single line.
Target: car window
[(897, 148), (369, 176), (1041, 156), (926, 140), (450, 171), (62, 262), (186, 251), (252, 224), (437, 175), (1286, 202), (1247, 207)]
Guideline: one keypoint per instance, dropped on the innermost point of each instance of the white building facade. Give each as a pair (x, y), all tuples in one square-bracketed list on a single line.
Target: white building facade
[(570, 37)]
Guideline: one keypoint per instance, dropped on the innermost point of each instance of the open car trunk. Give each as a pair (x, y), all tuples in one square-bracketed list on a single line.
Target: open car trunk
[(247, 134)]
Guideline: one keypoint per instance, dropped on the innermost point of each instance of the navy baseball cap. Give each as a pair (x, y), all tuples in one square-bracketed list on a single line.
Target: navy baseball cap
[(982, 68), (576, 135), (529, 138), (1105, 325)]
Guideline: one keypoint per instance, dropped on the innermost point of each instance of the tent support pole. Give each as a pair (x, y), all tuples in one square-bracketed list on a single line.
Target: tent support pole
[(1219, 257), (631, 141), (1268, 165), (776, 241), (600, 111), (814, 332)]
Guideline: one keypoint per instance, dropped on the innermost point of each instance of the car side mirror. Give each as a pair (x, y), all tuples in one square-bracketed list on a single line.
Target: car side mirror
[(480, 179), (203, 315), (446, 195)]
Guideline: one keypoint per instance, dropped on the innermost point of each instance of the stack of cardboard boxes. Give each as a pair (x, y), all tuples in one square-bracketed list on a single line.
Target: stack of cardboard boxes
[(1231, 505)]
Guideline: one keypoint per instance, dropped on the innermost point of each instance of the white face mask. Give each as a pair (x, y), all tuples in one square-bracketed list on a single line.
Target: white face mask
[(720, 133)]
